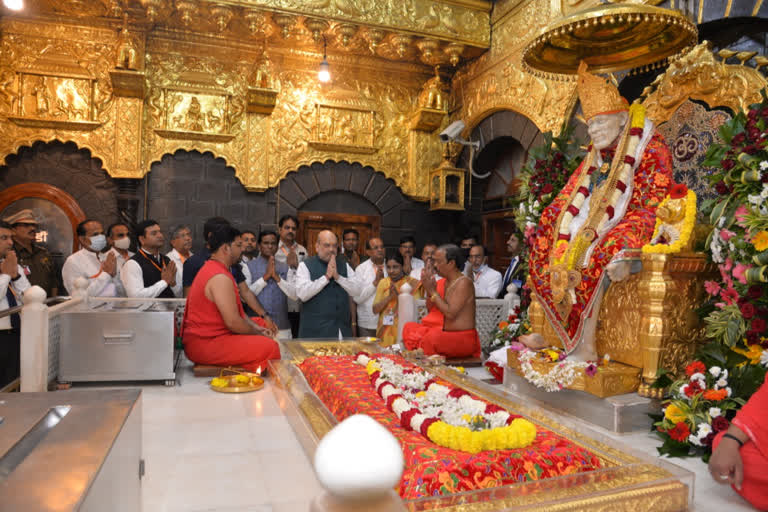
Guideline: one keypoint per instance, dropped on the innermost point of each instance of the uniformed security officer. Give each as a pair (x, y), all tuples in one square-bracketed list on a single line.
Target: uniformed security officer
[(35, 260)]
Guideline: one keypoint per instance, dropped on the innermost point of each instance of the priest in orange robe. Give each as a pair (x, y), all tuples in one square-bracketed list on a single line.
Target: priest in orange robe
[(449, 328), (740, 455), (216, 329)]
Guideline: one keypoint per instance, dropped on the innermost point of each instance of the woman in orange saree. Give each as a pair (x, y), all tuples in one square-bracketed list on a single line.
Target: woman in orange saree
[(385, 302)]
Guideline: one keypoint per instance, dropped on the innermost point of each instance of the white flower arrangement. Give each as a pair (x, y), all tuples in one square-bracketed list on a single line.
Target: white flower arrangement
[(559, 377), (433, 401)]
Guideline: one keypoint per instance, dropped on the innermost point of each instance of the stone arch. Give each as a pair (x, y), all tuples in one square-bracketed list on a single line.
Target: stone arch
[(301, 187), (500, 125), (70, 168), (373, 192)]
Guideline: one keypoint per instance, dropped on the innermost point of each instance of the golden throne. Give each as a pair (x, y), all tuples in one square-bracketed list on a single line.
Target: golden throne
[(649, 320)]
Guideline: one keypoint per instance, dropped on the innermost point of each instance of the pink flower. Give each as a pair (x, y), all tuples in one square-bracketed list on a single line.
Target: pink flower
[(730, 296), (740, 215), (728, 265), (591, 369), (712, 287), (739, 272), (528, 233), (726, 235)]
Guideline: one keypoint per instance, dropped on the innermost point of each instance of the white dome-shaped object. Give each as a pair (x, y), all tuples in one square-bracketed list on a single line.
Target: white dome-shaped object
[(359, 460)]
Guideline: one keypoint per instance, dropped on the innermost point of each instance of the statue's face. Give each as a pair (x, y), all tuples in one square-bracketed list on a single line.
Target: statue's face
[(604, 129)]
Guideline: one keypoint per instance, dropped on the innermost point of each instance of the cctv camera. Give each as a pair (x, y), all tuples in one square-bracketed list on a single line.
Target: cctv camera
[(453, 132)]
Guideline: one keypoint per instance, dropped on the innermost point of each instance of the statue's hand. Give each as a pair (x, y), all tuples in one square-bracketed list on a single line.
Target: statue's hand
[(534, 341), (618, 270)]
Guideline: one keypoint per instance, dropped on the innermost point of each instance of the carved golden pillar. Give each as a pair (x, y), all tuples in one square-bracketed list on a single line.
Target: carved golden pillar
[(654, 286), (259, 136)]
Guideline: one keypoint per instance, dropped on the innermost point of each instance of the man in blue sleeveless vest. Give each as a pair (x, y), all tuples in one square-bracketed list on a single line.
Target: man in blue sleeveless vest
[(273, 283), (324, 284)]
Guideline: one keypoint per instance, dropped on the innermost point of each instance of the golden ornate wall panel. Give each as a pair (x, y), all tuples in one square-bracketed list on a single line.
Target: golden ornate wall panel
[(497, 81), (55, 84)]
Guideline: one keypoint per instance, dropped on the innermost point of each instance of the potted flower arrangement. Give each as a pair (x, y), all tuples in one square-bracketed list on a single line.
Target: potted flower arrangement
[(730, 368)]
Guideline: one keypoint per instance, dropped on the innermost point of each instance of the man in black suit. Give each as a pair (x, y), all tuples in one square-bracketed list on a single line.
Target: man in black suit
[(514, 272)]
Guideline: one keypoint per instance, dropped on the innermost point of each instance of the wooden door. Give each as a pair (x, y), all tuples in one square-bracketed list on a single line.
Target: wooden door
[(497, 227), (312, 223)]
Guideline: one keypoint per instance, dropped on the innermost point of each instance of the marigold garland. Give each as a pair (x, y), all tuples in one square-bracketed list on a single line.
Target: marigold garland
[(689, 221), (517, 433)]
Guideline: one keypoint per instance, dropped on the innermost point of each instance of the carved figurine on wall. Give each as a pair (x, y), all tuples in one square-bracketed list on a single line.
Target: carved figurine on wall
[(127, 50), (607, 207), (263, 75), (435, 92), (194, 118), (42, 96)]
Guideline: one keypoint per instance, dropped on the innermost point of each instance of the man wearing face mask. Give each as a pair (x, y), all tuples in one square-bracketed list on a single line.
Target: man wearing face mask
[(216, 329), (149, 273), (13, 284), (89, 263), (119, 240)]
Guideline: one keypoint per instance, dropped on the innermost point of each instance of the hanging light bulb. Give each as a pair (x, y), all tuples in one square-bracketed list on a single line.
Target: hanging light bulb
[(14, 5), (324, 73)]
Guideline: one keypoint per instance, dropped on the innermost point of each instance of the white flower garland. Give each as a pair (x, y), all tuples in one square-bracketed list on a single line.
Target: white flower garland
[(433, 401), (559, 377)]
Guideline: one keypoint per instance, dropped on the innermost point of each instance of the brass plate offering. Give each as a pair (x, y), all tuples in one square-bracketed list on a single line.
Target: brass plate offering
[(237, 382), (609, 38)]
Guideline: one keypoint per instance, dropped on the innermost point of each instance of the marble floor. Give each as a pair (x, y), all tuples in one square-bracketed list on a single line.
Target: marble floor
[(206, 451)]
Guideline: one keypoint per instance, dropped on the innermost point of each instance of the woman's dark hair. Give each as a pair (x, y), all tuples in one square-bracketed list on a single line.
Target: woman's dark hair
[(394, 255), (222, 235)]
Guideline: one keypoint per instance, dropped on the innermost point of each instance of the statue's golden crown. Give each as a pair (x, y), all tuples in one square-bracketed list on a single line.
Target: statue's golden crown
[(597, 95)]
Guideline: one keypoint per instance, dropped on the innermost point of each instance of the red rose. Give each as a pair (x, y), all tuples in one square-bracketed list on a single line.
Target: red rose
[(721, 188), (693, 389), (758, 325), (695, 367), (547, 188), (752, 338), (747, 310), (727, 164), (738, 139), (680, 432), (720, 423), (707, 441), (678, 191)]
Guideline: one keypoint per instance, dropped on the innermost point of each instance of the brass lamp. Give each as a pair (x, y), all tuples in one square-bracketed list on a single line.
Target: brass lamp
[(446, 187)]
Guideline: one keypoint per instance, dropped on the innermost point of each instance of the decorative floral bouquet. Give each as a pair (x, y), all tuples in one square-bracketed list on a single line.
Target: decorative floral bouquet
[(507, 331), (702, 405), (729, 369)]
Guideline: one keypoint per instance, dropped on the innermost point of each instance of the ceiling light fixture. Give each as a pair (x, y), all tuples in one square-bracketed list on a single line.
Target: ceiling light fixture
[(14, 5), (324, 73)]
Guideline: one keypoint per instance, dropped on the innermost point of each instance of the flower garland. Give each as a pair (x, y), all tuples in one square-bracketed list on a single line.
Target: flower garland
[(635, 132), (447, 417), (666, 239), (559, 377)]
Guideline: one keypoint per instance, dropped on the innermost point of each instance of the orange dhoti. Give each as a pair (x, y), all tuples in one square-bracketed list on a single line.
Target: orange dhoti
[(207, 340), (429, 335)]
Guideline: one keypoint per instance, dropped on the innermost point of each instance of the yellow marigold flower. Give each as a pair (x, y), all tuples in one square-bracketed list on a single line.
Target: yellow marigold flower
[(760, 241), (421, 393), (674, 414), (753, 353)]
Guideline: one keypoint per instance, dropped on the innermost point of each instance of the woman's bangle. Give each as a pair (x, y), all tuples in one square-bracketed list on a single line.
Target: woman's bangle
[(731, 436)]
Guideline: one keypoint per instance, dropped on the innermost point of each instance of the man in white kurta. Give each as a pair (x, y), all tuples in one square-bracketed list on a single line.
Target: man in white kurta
[(487, 280), (369, 273), (89, 263)]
